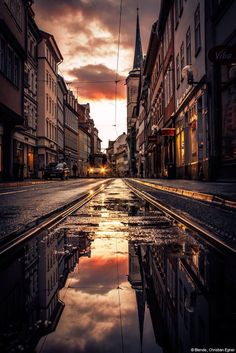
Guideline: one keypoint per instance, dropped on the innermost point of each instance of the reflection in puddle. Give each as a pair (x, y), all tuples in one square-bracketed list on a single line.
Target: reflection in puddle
[(117, 276)]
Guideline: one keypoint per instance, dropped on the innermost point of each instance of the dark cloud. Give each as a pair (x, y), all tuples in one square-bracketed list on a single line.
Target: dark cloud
[(105, 13), (100, 46), (89, 81)]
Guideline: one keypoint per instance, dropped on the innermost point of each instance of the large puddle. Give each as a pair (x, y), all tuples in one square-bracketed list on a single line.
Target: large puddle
[(118, 276)]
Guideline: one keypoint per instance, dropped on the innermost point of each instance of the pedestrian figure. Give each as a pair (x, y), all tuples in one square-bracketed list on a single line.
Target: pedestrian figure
[(74, 168)]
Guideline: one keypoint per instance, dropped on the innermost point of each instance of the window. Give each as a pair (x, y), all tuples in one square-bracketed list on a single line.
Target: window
[(10, 64), (47, 129), (188, 47), (2, 54), (197, 30), (182, 58), (47, 79), (168, 84), (47, 102), (167, 34), (178, 11), (177, 70), (50, 105)]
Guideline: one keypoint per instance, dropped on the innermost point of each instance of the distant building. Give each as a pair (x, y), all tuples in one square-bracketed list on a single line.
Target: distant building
[(120, 150), (61, 93), (111, 158), (84, 139), (49, 57), (71, 130)]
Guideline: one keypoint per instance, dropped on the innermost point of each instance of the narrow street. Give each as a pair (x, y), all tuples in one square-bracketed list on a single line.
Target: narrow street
[(118, 275)]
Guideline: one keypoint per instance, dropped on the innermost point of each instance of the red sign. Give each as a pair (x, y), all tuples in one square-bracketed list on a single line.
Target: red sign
[(168, 131), (222, 54)]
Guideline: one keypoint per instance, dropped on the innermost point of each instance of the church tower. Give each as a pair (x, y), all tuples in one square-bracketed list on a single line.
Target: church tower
[(132, 83)]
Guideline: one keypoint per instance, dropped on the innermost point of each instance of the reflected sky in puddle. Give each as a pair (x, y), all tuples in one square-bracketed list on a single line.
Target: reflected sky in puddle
[(100, 313)]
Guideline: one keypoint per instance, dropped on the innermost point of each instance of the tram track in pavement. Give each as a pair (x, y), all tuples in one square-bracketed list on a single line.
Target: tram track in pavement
[(47, 222), (209, 236)]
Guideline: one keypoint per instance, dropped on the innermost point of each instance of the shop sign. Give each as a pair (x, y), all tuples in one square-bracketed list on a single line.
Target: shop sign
[(222, 55), (170, 131)]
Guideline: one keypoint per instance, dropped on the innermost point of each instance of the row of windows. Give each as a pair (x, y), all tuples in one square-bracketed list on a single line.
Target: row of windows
[(51, 131), (9, 63), (52, 281), (178, 11), (157, 70), (51, 60), (168, 83), (31, 115), (51, 259), (30, 79), (51, 83), (51, 106), (71, 120), (180, 57), (159, 108), (167, 34), (32, 47)]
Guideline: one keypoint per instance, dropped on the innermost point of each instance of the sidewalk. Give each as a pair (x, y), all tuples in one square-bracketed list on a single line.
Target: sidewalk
[(216, 192), (9, 184)]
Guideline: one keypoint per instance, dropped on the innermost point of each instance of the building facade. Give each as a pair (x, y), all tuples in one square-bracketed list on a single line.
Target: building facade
[(71, 130), (221, 75), (12, 56), (25, 136), (61, 92), (49, 57), (191, 117)]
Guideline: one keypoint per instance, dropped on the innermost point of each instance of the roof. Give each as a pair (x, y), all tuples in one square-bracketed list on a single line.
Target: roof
[(138, 54), (53, 43)]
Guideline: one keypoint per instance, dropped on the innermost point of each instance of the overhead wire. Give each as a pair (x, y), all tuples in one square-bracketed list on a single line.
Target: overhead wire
[(117, 62)]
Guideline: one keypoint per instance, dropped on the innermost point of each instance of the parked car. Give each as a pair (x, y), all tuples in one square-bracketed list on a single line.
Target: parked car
[(57, 170)]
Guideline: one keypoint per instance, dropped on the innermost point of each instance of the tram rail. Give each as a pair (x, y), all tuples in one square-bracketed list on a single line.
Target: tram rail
[(212, 237), (16, 239)]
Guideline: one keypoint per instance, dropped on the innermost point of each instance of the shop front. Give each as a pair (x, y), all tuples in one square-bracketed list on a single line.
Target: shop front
[(24, 157), (192, 139)]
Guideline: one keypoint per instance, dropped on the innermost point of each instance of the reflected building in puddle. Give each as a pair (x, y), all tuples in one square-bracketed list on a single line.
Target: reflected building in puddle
[(190, 292), (31, 278)]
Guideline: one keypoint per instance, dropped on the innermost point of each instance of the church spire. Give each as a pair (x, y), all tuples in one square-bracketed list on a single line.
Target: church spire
[(138, 54)]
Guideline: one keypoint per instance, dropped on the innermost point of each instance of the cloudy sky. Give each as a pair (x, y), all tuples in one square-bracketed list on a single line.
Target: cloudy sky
[(86, 32)]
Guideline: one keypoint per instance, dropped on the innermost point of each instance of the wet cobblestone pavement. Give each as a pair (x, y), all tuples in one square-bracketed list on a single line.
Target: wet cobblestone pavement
[(119, 276)]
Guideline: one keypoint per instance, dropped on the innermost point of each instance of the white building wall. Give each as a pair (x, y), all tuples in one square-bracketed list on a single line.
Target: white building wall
[(185, 21)]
